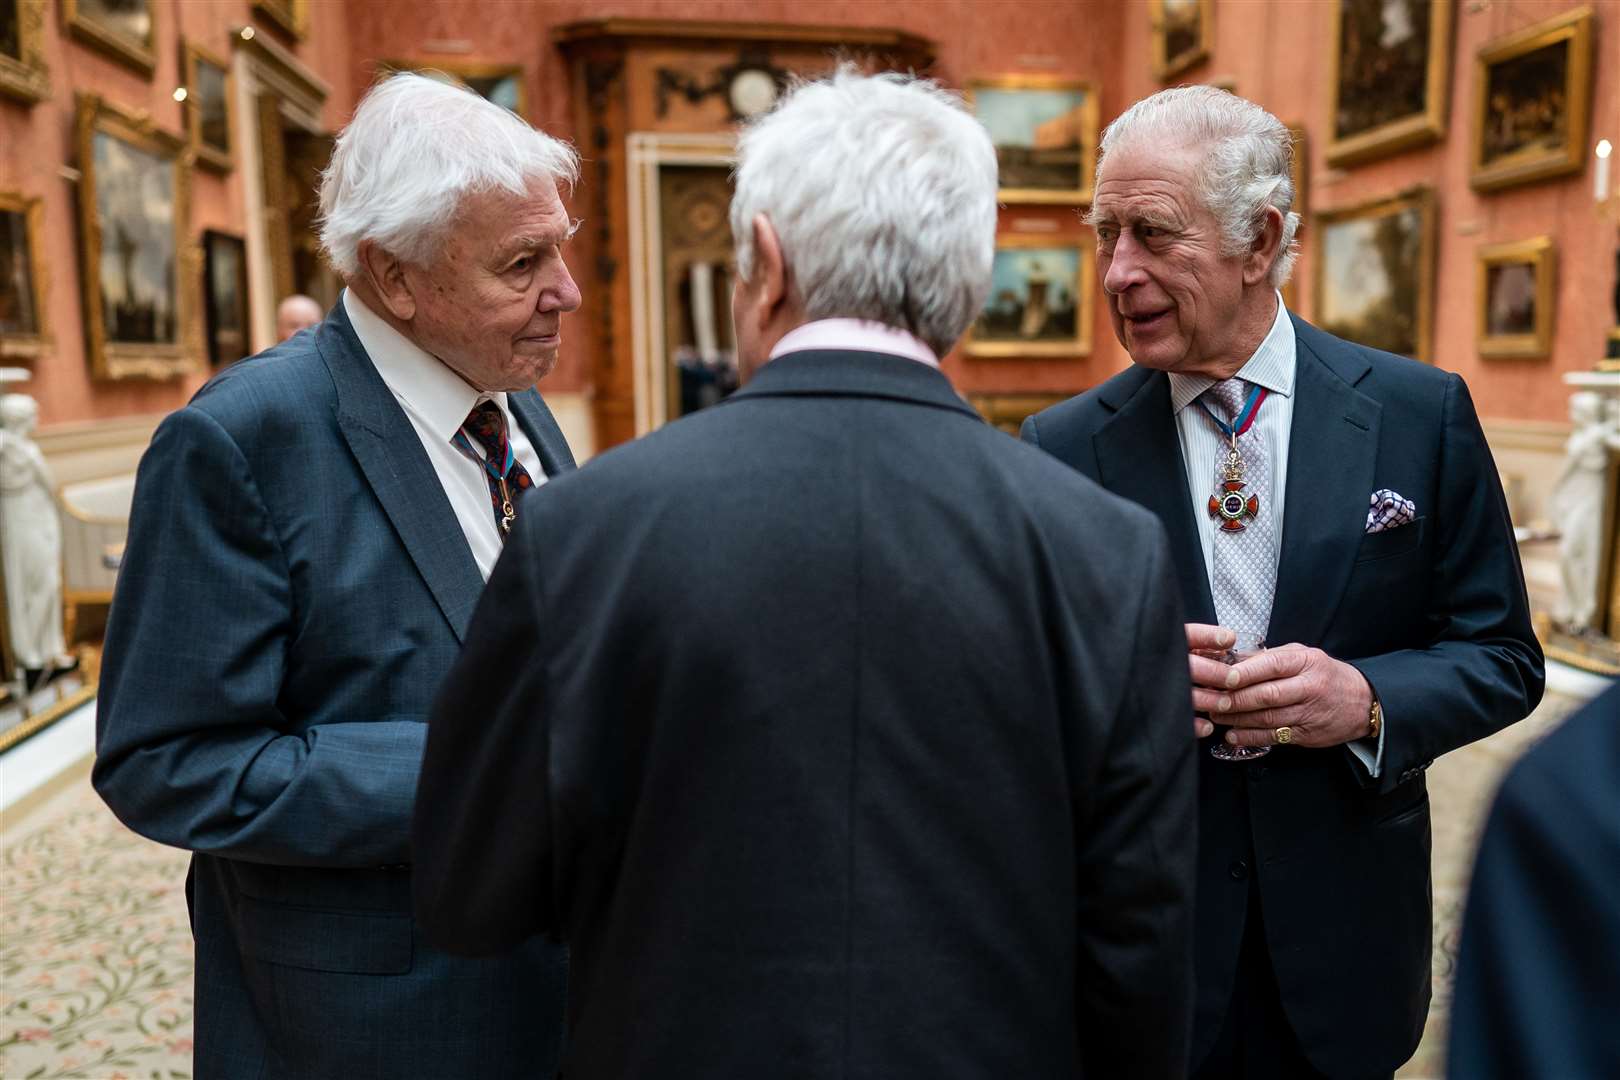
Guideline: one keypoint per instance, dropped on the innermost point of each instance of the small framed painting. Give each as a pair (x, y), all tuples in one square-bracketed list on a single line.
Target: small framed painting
[(1183, 33), (24, 75), (1040, 299), (1390, 67), (1045, 133), (123, 29), (208, 106), (225, 297), (22, 278), (1532, 103), (1514, 294), (1375, 272)]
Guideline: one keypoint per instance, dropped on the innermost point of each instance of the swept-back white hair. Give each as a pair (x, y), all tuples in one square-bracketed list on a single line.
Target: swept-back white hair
[(882, 190), (414, 149), (1247, 165)]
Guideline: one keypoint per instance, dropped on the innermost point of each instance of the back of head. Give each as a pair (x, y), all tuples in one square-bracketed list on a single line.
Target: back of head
[(882, 190), (415, 147)]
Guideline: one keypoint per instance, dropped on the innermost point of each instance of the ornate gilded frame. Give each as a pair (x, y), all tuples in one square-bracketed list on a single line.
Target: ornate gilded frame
[(1166, 67), (1531, 164), (30, 346), (291, 17), (1081, 193), (461, 72), (1084, 285), (1416, 129), (192, 56), (116, 360), (28, 76), (140, 55), (1423, 199), (1540, 253)]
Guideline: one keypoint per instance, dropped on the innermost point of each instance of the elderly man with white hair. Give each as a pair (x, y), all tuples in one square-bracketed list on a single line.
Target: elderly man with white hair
[(1334, 503), (836, 733), (309, 538)]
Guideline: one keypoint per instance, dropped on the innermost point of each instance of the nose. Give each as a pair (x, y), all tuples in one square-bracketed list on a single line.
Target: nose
[(561, 294), (1124, 266)]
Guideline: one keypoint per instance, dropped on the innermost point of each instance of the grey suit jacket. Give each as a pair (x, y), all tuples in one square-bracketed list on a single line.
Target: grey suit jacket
[(295, 587)]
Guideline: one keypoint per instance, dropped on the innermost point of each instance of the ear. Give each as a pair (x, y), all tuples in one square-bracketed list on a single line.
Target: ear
[(385, 273), (770, 271), (1265, 250)]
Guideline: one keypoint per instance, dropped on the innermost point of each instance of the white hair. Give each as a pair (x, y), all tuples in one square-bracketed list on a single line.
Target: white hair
[(414, 149), (1247, 164), (882, 191)]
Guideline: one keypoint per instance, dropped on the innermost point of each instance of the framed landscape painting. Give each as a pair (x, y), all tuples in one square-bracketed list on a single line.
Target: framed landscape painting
[(22, 293), (1375, 272), (1390, 66), (1515, 297), (1045, 132), (1040, 299), (1532, 103), (1183, 33)]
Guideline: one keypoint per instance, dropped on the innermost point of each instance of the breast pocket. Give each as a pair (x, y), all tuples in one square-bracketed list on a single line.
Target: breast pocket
[(1392, 542)]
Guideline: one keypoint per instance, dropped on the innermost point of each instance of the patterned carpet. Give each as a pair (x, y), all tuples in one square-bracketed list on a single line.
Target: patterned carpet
[(95, 950)]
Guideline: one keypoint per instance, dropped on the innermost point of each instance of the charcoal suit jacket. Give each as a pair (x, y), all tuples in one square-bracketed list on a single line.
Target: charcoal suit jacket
[(294, 589), (838, 734), (1433, 613)]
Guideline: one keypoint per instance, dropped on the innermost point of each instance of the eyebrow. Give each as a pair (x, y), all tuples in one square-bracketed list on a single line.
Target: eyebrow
[(528, 242)]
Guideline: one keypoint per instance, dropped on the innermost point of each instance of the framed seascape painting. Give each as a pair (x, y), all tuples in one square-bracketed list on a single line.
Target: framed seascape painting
[(123, 29), (1040, 299), (1183, 33), (1514, 295), (500, 83), (139, 272), (22, 275), (24, 74), (1532, 103), (1045, 131), (1390, 67), (1374, 270), (225, 297), (208, 106)]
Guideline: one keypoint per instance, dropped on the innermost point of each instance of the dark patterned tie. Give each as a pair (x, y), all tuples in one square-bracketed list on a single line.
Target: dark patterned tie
[(507, 477)]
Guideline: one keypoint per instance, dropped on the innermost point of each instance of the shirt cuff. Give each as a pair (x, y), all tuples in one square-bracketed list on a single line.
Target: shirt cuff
[(1370, 756)]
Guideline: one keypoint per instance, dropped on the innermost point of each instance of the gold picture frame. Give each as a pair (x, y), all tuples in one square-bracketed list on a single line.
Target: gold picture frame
[(492, 82), (291, 17), (1183, 35), (153, 331), (1515, 298), (1030, 316), (1532, 103), (210, 119), (24, 291), (26, 76), (94, 24), (1374, 272), (1023, 112), (1382, 98)]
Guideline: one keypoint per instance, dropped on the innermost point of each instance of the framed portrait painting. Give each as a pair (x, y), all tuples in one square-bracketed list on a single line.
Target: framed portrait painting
[(1045, 132), (1514, 294), (1532, 103), (123, 29), (22, 278), (225, 297), (1040, 299), (1183, 33), (1390, 67), (24, 75), (208, 106), (139, 270), (1374, 270)]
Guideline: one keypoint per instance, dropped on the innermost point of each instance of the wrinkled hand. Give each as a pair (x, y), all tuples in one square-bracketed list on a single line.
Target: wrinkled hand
[(1205, 644), (1325, 701)]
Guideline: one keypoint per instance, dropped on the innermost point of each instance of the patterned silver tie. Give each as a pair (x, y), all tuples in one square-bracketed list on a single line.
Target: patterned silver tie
[(1245, 574)]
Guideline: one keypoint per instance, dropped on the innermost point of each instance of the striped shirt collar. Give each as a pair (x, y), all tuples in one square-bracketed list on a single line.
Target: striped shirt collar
[(1271, 366)]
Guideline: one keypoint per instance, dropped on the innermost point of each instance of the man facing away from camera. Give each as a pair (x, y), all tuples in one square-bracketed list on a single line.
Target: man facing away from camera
[(309, 538), (835, 732)]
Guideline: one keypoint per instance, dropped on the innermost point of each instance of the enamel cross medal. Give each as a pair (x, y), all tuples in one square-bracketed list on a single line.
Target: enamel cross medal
[(1229, 505)]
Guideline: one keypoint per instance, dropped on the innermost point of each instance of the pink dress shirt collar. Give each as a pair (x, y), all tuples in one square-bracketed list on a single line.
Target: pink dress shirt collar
[(856, 335)]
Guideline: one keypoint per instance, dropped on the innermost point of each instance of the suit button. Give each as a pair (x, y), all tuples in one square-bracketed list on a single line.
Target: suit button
[(1239, 869)]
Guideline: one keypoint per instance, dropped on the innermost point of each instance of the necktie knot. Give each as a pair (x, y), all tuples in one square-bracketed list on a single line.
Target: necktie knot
[(487, 424), (1228, 396), (507, 477)]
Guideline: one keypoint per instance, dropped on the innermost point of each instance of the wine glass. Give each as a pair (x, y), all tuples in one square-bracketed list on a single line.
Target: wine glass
[(1245, 646)]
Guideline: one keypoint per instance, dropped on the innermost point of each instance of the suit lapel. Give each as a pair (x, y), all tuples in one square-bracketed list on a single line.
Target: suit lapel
[(1139, 458), (1332, 454), (541, 427), (393, 462)]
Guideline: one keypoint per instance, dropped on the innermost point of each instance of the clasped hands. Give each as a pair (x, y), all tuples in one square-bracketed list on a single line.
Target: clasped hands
[(1324, 701)]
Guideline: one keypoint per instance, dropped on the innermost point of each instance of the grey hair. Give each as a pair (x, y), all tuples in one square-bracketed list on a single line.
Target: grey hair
[(1247, 166), (882, 190), (414, 149)]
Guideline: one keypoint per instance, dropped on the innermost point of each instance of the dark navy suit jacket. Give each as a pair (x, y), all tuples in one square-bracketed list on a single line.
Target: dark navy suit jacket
[(1433, 613), (294, 589)]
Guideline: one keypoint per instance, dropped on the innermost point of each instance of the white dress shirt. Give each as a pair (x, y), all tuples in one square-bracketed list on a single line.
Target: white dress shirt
[(857, 335), (1203, 445), (436, 401)]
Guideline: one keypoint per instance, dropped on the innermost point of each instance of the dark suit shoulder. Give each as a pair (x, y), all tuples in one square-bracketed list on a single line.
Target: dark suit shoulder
[(288, 382), (1088, 411), (1568, 779), (1351, 361)]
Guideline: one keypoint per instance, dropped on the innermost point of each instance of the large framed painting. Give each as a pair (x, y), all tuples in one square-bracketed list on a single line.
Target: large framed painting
[(126, 30), (1514, 295), (1183, 33), (1374, 274), (291, 17), (1040, 298), (208, 106), (139, 269), (24, 75), (1045, 131), (500, 83), (225, 297), (1390, 68), (1532, 103), (23, 333)]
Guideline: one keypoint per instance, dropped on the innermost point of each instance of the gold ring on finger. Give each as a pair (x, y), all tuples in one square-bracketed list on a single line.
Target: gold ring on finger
[(1283, 735)]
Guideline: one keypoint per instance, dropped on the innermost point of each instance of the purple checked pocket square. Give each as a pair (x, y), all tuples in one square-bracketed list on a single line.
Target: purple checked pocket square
[(1389, 511)]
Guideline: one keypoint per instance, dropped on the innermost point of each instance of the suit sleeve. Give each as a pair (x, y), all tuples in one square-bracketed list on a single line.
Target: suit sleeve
[(1027, 432), (1134, 978), (482, 837), (1483, 668), (192, 748)]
